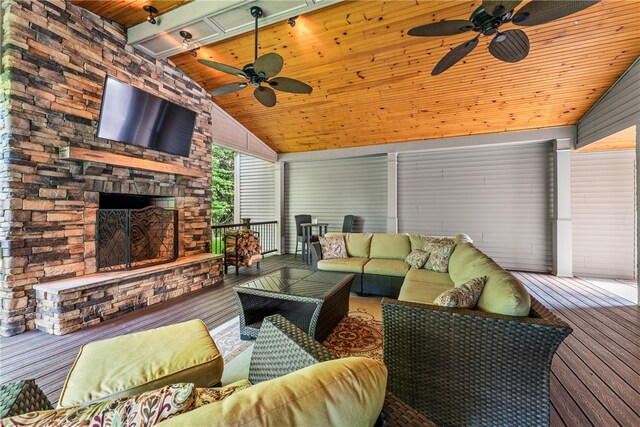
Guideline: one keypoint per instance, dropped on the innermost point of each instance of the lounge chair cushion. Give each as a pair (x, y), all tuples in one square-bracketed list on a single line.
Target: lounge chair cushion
[(387, 267), (344, 265), (341, 392), (390, 246), (418, 291), (428, 277), (502, 294), (132, 364)]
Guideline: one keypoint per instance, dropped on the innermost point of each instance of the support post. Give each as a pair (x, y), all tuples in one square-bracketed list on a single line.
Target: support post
[(562, 226), (236, 188), (392, 192), (280, 229), (636, 208)]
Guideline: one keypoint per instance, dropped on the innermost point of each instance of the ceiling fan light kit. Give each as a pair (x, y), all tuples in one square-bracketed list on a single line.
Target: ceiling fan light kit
[(507, 46), (261, 74)]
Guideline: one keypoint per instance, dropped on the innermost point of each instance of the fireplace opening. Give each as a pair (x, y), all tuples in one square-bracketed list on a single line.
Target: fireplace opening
[(134, 231)]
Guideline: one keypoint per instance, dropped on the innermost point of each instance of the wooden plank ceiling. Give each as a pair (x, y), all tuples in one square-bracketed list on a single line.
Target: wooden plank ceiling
[(372, 82), (128, 12)]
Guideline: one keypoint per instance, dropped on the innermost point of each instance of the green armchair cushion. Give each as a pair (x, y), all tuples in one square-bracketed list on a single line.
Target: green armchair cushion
[(341, 392), (417, 291), (387, 267), (502, 294), (343, 265), (390, 246), (429, 277), (132, 364), (359, 244)]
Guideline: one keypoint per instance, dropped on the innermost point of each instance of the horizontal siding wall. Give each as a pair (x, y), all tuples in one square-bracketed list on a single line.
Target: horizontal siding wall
[(500, 196), (617, 110), (330, 189), (603, 214), (257, 189)]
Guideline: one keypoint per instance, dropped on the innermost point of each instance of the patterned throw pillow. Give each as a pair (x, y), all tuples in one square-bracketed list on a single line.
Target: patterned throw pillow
[(463, 296), (144, 410), (333, 247), (439, 254), (417, 258)]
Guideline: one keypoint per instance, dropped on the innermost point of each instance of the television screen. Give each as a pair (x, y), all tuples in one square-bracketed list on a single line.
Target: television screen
[(133, 116)]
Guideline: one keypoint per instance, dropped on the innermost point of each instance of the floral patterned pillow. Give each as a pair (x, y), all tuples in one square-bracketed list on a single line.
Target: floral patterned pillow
[(463, 296), (144, 410), (417, 258), (333, 247), (439, 254)]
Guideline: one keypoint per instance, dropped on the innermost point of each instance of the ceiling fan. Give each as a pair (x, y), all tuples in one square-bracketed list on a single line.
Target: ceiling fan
[(509, 45), (262, 71)]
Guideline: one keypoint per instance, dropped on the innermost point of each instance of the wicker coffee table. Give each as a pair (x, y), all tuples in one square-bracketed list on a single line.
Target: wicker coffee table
[(314, 301)]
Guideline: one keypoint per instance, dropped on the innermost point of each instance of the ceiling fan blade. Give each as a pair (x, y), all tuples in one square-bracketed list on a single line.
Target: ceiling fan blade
[(540, 12), (285, 84), (443, 28), (270, 64), (498, 8), (224, 68), (223, 90), (265, 95), (454, 56), (510, 46)]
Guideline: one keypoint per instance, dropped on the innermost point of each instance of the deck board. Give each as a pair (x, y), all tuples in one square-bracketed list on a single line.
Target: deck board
[(595, 376)]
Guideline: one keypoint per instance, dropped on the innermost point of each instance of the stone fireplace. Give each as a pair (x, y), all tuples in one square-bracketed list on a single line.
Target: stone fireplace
[(56, 56)]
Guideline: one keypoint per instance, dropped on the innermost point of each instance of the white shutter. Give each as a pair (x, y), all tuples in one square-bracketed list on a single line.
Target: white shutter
[(330, 189), (257, 189), (603, 213), (500, 196)]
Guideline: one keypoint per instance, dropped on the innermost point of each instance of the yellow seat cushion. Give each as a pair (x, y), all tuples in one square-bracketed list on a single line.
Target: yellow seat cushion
[(343, 265), (387, 267), (132, 364), (390, 246), (502, 293), (341, 392), (425, 293), (429, 277), (358, 244)]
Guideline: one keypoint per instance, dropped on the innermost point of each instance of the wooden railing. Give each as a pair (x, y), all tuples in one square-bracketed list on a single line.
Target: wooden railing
[(267, 230)]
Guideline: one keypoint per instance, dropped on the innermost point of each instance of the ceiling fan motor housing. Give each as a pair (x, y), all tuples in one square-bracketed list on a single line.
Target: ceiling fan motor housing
[(485, 23)]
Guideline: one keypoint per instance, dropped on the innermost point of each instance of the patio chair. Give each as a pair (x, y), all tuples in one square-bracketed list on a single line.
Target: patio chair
[(302, 219), (347, 224)]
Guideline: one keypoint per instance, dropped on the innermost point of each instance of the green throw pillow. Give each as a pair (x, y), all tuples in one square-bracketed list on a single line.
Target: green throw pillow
[(439, 254), (463, 296), (417, 258)]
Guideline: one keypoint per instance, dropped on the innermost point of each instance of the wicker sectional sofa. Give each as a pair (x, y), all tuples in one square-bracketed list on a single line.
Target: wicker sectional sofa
[(483, 367)]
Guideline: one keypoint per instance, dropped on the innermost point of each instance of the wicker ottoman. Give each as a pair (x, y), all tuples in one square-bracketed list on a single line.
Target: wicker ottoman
[(132, 364)]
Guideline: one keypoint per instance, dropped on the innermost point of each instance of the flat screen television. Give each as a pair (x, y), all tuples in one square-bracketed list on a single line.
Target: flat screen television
[(133, 116)]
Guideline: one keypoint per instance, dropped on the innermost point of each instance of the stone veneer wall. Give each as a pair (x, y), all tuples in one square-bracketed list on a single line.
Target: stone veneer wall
[(56, 56)]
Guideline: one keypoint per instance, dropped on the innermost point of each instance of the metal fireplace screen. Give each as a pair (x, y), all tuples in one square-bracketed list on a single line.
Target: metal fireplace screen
[(134, 238)]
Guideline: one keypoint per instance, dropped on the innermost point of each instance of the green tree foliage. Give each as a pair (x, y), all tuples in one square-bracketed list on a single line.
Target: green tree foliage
[(222, 185)]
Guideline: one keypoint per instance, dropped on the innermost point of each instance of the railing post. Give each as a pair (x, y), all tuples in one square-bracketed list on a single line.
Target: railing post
[(247, 222)]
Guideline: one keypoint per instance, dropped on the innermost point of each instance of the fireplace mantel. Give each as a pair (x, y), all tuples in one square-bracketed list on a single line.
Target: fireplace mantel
[(88, 157)]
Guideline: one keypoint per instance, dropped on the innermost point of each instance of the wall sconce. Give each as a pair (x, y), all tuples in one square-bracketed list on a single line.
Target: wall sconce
[(151, 11), (292, 21), (194, 52), (186, 38)]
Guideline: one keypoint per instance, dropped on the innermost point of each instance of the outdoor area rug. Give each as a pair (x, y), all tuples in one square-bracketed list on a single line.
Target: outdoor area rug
[(358, 334)]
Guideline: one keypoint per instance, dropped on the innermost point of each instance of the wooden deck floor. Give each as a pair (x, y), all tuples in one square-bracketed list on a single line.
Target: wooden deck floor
[(595, 374)]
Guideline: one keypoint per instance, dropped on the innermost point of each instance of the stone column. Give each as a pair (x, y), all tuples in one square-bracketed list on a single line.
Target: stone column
[(392, 192), (562, 226)]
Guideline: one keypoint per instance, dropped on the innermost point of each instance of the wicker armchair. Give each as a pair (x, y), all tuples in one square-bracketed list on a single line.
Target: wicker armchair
[(469, 368)]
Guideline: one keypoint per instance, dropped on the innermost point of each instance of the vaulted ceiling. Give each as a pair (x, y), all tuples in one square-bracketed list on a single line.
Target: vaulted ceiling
[(372, 82), (128, 12)]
